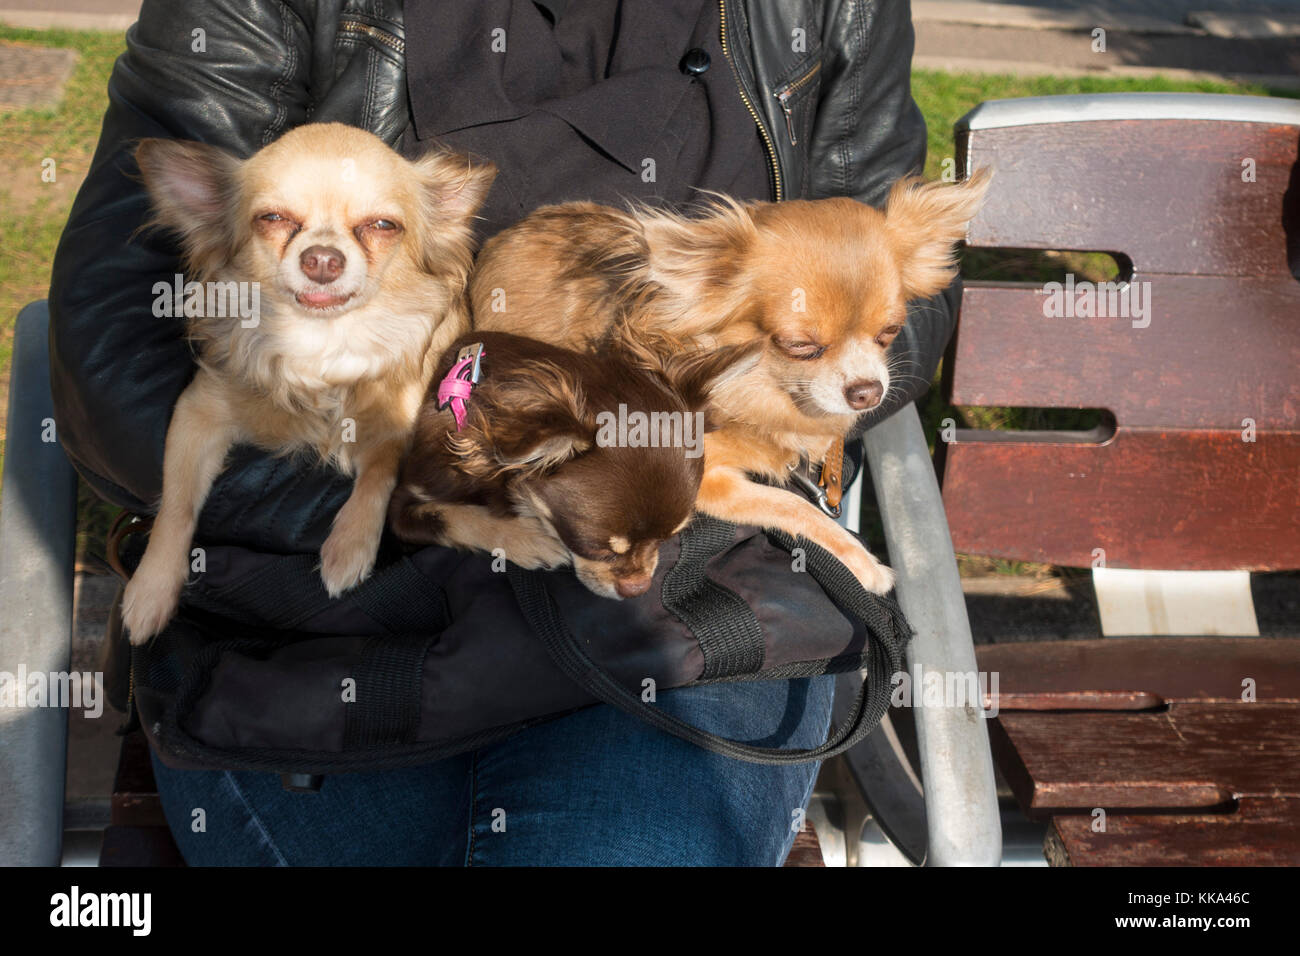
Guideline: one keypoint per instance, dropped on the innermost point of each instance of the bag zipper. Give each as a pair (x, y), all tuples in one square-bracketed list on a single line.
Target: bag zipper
[(767, 139), (390, 40), (786, 93), (130, 681)]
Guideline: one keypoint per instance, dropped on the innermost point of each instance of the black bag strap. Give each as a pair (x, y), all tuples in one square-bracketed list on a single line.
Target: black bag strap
[(887, 634), (730, 637)]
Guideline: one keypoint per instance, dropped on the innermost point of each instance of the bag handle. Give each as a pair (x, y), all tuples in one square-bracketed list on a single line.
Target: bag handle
[(887, 634)]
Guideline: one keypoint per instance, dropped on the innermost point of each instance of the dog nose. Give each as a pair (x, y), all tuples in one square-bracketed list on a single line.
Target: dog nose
[(633, 586), (864, 394), (322, 264)]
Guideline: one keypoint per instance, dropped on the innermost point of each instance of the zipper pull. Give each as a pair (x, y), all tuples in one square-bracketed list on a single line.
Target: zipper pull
[(784, 99)]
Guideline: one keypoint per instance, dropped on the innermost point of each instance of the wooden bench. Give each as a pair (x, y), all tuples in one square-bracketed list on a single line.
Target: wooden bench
[(1198, 197), (1187, 765)]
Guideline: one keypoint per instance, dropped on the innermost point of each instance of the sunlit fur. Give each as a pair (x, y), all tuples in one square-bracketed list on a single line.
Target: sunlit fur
[(340, 379), (823, 285)]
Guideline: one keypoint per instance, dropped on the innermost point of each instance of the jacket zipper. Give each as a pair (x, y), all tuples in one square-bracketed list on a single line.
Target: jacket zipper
[(392, 41), (767, 139), (786, 93)]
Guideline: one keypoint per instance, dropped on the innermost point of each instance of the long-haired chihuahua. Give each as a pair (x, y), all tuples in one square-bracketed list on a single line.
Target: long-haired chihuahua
[(558, 457), (360, 259)]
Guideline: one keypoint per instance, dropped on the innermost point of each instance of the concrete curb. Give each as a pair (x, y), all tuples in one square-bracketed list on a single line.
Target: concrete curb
[(1247, 26)]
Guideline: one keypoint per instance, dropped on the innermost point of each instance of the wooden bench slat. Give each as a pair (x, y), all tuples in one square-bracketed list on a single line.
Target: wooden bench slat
[(139, 846), (1261, 832), (1217, 350), (1169, 193), (1171, 499), (1190, 755), (806, 851), (1141, 673)]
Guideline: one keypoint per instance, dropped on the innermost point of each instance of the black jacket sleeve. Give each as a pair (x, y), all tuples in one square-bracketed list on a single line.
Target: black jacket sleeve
[(200, 70), (869, 132)]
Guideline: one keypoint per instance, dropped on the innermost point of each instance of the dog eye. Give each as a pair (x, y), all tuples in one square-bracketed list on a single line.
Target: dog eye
[(802, 350), (887, 334), (384, 225), (271, 217)]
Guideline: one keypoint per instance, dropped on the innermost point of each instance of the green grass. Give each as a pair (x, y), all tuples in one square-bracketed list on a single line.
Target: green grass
[(32, 212)]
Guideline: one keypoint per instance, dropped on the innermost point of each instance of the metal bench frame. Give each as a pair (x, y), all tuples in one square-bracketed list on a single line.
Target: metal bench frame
[(38, 518)]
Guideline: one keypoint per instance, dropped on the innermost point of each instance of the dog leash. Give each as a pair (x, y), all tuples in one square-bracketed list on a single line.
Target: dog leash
[(455, 388)]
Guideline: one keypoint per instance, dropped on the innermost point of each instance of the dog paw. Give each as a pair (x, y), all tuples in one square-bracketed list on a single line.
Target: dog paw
[(871, 574), (532, 547), (346, 561), (149, 602)]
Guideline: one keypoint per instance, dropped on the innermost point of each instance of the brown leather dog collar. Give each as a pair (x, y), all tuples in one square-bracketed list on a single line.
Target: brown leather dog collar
[(832, 474)]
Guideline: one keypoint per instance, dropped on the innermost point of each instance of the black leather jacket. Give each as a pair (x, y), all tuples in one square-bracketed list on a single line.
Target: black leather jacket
[(835, 72)]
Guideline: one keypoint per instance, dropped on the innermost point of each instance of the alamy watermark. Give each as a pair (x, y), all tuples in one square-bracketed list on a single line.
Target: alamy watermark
[(637, 429), (1098, 300), (77, 689), (214, 300), (133, 911), (931, 688)]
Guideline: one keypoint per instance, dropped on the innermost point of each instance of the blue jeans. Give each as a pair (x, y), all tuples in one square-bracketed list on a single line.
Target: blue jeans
[(594, 788)]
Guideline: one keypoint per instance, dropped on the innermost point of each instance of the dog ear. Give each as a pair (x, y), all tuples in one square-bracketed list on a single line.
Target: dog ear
[(688, 255), (695, 375), (453, 188), (527, 424), (924, 221), (537, 452), (193, 188), (456, 184)]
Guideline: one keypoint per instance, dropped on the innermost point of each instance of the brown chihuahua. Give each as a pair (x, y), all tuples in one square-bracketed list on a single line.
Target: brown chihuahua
[(549, 457)]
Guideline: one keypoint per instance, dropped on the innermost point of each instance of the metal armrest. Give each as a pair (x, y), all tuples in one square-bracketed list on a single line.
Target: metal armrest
[(958, 824), (38, 515)]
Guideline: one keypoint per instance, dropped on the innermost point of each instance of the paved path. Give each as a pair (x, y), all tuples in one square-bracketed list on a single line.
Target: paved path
[(1169, 12), (962, 47), (70, 14), (33, 78), (1245, 40)]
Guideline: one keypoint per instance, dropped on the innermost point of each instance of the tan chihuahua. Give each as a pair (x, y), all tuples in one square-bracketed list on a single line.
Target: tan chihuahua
[(361, 260)]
